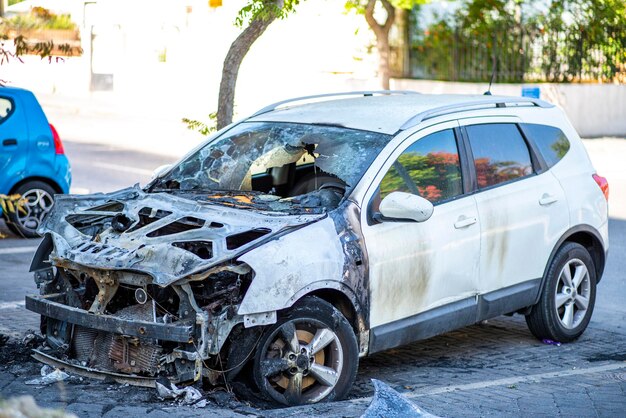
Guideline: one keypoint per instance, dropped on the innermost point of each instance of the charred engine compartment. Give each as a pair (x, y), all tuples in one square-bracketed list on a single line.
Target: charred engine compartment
[(148, 284), (89, 334)]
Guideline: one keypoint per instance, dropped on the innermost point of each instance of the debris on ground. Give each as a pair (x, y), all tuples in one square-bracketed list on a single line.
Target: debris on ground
[(48, 376), (388, 403), (25, 406), (550, 342), (185, 396), (32, 340)]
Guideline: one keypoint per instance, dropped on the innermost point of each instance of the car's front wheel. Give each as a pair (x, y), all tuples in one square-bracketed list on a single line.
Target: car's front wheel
[(309, 355), (568, 296), (37, 200)]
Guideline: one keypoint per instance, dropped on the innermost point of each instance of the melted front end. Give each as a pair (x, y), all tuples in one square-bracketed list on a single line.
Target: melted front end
[(137, 286)]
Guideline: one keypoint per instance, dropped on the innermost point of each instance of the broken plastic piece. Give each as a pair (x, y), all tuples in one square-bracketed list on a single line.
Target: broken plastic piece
[(547, 341), (188, 395), (390, 404), (48, 376)]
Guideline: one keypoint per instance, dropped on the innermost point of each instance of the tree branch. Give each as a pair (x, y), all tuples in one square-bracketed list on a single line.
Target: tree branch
[(380, 30), (369, 18), (391, 15)]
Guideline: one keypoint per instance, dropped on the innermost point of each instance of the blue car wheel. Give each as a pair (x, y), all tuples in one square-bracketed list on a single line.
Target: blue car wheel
[(38, 198)]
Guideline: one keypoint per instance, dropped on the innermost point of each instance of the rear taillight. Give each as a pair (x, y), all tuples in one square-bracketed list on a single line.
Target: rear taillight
[(58, 145), (603, 184)]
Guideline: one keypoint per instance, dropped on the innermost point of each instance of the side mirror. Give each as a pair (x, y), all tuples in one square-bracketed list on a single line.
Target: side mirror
[(400, 205), (159, 171)]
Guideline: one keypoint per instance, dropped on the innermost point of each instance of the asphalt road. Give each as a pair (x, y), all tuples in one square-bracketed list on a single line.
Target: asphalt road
[(491, 369)]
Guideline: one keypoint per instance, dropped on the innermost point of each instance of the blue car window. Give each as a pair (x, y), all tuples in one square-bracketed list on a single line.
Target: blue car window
[(6, 108)]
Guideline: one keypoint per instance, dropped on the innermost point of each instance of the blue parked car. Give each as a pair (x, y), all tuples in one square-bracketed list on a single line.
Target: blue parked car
[(32, 160)]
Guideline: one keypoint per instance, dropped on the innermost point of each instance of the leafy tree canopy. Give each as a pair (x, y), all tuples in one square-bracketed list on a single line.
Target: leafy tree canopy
[(360, 5), (265, 10)]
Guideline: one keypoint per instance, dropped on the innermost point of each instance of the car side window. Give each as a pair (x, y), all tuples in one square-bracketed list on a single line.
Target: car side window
[(6, 108), (429, 168), (551, 142), (500, 153)]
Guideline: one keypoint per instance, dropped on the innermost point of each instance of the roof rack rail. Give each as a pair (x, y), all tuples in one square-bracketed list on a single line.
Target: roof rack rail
[(472, 105), (274, 106)]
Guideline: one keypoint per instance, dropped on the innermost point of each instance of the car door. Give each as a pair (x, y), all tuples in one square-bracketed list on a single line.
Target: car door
[(415, 267), (522, 211), (13, 141)]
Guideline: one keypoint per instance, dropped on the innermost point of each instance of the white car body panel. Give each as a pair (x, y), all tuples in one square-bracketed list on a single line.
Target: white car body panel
[(587, 205), (417, 266), (514, 222), (293, 265)]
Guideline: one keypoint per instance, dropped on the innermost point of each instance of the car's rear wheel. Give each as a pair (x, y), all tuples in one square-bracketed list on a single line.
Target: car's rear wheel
[(37, 200), (568, 296), (310, 355)]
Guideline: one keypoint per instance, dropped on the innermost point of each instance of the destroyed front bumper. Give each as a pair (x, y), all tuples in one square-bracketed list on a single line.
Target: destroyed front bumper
[(46, 306)]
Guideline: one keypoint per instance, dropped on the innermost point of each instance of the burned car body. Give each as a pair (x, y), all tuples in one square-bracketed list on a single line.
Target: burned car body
[(150, 282), (300, 239)]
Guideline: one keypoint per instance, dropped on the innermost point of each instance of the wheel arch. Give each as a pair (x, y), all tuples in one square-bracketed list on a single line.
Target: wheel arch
[(346, 302), (48, 181), (342, 302), (588, 237)]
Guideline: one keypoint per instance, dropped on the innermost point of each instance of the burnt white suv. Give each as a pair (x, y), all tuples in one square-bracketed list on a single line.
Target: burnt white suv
[(323, 229)]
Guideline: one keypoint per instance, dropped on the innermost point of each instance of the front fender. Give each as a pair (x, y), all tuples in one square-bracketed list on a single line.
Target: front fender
[(298, 263)]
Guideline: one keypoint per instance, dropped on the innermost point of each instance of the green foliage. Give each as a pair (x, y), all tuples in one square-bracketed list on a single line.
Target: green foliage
[(264, 9), (204, 128), (561, 146), (571, 40), (162, 55), (39, 18), (436, 176), (359, 5), (12, 2), (593, 39)]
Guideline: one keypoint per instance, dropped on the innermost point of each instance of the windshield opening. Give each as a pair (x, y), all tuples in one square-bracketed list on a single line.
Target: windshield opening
[(277, 164)]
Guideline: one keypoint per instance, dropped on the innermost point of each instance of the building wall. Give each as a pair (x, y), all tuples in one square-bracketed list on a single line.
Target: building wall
[(594, 109)]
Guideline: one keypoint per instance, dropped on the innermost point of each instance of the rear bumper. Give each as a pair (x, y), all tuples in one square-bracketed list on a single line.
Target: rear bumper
[(48, 307)]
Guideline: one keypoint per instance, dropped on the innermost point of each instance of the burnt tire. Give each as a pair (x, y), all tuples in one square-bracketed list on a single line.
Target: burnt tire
[(567, 298), (39, 198), (310, 355)]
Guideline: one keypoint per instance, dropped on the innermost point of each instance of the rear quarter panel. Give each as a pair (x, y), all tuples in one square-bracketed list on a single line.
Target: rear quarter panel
[(587, 205)]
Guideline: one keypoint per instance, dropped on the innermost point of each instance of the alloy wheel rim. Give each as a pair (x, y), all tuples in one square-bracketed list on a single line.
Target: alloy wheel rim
[(573, 290), (302, 362), (36, 205)]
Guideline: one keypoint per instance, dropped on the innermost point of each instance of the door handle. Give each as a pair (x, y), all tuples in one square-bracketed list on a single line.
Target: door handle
[(547, 199), (8, 142), (464, 221)]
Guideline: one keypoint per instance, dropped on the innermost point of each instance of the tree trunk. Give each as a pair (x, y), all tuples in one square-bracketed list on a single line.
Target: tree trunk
[(403, 22), (238, 50), (384, 52), (382, 38)]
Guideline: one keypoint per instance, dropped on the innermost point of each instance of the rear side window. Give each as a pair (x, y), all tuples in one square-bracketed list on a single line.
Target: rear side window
[(500, 153), (429, 168), (6, 108), (551, 142)]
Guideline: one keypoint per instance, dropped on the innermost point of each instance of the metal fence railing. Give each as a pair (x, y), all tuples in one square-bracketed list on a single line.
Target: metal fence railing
[(520, 54)]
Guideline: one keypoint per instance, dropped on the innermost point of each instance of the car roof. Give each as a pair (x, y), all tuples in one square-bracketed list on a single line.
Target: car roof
[(387, 113), (16, 92), (12, 89)]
